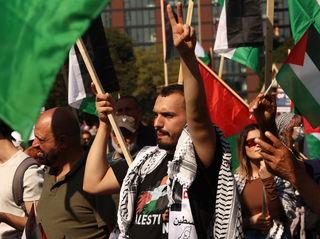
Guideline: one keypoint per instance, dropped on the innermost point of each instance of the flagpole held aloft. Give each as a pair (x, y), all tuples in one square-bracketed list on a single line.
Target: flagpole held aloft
[(269, 43), (221, 66), (188, 22), (164, 43), (97, 83)]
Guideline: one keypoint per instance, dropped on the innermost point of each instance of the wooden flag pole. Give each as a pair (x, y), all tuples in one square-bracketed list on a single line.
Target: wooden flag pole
[(269, 43), (211, 57), (221, 66), (199, 23), (188, 22), (264, 208), (97, 83), (164, 44)]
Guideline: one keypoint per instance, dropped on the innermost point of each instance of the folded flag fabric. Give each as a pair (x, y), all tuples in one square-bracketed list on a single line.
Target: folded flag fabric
[(299, 76), (80, 95), (36, 36), (303, 13), (240, 32)]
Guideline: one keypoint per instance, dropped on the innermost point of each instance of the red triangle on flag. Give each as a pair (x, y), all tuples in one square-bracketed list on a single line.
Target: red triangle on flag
[(227, 109), (297, 53), (308, 128)]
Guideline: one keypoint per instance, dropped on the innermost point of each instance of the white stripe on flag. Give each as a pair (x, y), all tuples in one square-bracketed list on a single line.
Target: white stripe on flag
[(309, 75), (199, 51), (316, 135), (76, 90), (221, 43), (229, 54)]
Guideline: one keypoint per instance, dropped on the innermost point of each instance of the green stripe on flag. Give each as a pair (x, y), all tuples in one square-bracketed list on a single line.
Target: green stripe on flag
[(233, 141), (248, 56), (88, 105), (313, 144), (302, 14), (299, 94), (36, 36)]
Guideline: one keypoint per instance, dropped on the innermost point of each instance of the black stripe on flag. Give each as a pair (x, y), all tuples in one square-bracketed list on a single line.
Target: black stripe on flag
[(97, 46), (313, 46), (244, 23)]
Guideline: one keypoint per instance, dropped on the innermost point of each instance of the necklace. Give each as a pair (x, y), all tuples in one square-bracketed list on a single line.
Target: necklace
[(253, 177)]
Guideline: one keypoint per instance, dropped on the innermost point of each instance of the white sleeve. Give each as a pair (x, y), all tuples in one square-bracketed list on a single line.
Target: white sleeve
[(32, 183)]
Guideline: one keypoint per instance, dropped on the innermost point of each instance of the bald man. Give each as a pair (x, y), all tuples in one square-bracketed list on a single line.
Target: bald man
[(64, 209)]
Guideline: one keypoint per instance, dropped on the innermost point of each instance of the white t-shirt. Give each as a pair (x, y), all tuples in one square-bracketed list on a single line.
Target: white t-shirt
[(32, 183)]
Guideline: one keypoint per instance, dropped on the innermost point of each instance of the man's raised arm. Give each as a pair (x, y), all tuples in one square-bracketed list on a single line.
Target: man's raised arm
[(98, 176), (198, 120)]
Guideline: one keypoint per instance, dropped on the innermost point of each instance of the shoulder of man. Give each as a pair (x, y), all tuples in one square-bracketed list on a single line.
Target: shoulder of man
[(28, 171)]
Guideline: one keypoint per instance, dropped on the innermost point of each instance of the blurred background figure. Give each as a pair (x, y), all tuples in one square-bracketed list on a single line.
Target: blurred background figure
[(86, 139), (291, 131), (128, 105), (128, 128), (263, 216)]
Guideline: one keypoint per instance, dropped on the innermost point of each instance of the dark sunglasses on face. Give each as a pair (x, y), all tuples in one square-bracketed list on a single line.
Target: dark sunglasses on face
[(250, 143)]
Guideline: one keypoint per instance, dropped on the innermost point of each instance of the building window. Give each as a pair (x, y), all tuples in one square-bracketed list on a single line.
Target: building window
[(140, 22)]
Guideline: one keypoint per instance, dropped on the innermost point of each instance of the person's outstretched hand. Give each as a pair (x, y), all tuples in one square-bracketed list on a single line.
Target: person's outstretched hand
[(277, 157), (184, 37), (264, 108)]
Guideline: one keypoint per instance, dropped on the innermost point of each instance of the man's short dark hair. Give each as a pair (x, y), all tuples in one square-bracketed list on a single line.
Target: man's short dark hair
[(5, 130), (171, 89)]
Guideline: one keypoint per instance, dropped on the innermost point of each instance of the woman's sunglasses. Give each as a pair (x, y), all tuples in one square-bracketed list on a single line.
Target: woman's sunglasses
[(250, 143)]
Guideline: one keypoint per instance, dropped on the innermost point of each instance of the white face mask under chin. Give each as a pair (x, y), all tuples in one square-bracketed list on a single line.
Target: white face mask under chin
[(119, 150)]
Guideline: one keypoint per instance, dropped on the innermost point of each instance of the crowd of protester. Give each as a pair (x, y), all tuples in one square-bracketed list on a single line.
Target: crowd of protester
[(180, 184)]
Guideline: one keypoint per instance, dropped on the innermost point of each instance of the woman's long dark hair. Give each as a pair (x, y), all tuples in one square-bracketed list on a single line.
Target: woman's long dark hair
[(244, 168)]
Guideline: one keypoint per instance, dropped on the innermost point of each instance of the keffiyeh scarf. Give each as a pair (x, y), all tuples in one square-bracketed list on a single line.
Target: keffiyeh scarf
[(182, 169)]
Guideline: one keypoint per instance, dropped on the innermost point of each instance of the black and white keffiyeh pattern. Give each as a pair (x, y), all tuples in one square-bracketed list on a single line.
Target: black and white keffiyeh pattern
[(182, 169)]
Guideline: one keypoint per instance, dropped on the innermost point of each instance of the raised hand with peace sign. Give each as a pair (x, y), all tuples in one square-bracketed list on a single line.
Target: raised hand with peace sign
[(184, 37), (202, 133)]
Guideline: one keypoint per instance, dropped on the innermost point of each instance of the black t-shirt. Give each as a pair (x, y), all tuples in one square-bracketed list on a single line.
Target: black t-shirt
[(151, 212), (146, 136)]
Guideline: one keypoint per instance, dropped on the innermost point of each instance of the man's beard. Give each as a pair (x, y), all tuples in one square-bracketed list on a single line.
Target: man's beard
[(118, 149), (166, 146), (50, 159)]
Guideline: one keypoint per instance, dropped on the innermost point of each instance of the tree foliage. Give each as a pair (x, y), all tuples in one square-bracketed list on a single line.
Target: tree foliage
[(140, 72), (150, 77), (122, 54)]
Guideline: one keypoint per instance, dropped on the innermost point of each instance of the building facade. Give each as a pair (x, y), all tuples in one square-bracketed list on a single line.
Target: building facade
[(141, 20)]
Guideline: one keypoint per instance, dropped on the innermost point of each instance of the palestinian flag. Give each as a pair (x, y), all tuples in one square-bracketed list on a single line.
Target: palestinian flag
[(302, 14), (299, 76), (312, 140), (36, 36), (79, 82), (240, 32)]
